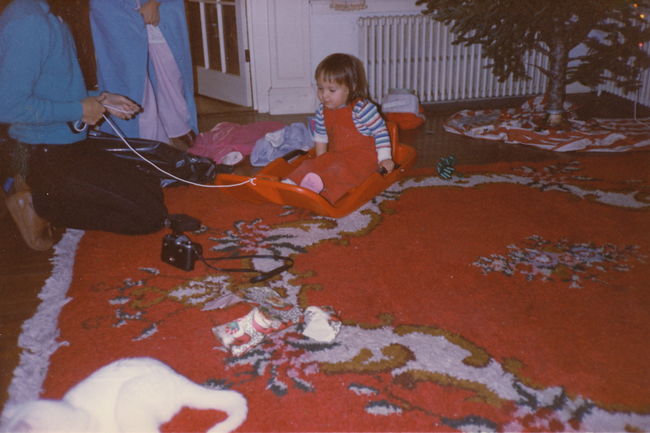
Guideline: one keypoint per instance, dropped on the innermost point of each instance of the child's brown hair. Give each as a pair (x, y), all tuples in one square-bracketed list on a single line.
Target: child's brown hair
[(347, 70)]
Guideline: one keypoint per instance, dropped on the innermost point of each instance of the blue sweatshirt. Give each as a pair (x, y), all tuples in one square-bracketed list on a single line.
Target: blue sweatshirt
[(41, 84)]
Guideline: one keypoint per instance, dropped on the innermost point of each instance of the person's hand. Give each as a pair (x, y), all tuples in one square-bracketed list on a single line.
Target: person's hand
[(150, 12), (387, 164), (92, 110), (119, 105)]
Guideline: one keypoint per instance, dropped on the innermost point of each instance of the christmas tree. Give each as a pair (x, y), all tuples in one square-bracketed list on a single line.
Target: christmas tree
[(613, 33)]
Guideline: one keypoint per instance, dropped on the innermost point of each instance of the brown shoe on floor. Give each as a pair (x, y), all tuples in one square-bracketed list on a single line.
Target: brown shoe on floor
[(36, 232), (183, 142)]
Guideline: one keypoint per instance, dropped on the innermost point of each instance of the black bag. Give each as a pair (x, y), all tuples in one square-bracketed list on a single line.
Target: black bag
[(184, 165)]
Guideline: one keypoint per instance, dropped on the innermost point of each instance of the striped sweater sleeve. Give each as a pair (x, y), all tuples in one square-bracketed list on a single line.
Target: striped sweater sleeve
[(320, 133), (369, 122)]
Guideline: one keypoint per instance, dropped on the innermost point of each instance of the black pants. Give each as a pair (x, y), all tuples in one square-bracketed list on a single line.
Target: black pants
[(81, 186)]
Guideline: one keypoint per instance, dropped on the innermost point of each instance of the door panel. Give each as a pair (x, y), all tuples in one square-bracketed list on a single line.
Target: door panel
[(219, 43)]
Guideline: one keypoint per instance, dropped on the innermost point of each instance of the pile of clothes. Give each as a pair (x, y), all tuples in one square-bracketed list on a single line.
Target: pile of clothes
[(229, 143)]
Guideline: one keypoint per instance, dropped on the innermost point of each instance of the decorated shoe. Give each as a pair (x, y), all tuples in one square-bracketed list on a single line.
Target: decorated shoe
[(241, 335)]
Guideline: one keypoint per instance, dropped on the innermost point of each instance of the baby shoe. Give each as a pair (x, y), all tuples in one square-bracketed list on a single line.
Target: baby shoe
[(241, 335), (313, 182)]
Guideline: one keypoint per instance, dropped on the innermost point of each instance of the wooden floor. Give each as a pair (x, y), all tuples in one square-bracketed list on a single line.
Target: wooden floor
[(23, 272)]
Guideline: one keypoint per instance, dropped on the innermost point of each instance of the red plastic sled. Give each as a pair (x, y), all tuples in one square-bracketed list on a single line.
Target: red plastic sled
[(265, 186)]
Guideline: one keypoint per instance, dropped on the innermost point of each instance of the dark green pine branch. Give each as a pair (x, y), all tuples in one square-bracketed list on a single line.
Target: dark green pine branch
[(610, 34)]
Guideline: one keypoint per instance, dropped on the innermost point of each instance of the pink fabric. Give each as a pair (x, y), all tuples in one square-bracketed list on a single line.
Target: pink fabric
[(165, 113), (172, 107), (226, 137), (149, 122)]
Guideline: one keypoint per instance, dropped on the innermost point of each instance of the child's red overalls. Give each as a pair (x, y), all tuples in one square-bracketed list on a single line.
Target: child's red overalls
[(350, 158)]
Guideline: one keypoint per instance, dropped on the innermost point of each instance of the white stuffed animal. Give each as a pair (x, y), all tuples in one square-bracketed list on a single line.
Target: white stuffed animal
[(128, 395)]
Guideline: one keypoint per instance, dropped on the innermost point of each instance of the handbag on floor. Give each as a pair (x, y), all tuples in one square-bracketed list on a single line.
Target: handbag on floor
[(180, 164)]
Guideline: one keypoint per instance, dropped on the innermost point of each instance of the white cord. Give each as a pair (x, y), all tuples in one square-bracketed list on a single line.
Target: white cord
[(116, 108), (119, 134)]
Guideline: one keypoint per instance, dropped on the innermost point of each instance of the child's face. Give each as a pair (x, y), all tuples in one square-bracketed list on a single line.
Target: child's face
[(332, 94)]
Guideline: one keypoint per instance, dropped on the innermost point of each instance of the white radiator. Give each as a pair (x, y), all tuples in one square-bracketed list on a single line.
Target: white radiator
[(415, 52)]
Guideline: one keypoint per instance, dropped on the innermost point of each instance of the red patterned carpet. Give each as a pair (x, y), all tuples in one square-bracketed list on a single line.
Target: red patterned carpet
[(512, 297)]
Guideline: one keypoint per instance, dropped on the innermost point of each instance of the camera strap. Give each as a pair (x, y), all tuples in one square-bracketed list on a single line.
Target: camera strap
[(287, 263), (180, 251)]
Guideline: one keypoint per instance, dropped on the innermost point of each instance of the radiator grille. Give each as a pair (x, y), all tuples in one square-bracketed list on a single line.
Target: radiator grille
[(416, 52)]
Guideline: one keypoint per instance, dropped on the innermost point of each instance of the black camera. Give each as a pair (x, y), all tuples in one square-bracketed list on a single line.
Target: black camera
[(178, 250)]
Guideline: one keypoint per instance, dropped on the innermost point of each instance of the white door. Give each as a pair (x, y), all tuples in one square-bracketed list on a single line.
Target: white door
[(220, 49)]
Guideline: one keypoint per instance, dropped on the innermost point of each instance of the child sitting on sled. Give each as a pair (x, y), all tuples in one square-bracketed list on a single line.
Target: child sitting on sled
[(351, 138)]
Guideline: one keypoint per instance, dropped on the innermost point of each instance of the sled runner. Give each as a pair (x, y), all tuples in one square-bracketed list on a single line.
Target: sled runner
[(266, 185)]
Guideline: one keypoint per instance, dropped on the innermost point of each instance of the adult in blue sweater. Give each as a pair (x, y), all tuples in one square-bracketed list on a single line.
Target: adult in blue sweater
[(58, 176), (143, 52)]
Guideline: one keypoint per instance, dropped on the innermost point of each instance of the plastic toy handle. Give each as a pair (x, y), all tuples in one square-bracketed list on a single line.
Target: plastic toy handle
[(294, 153)]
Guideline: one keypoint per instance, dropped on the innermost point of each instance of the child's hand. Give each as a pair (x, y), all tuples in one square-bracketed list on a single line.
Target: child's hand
[(387, 164)]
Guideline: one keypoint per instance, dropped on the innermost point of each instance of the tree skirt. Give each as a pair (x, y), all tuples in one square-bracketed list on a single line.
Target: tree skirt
[(522, 126)]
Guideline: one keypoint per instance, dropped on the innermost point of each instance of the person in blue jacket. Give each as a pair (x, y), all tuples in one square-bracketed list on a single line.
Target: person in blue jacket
[(142, 51), (58, 176)]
